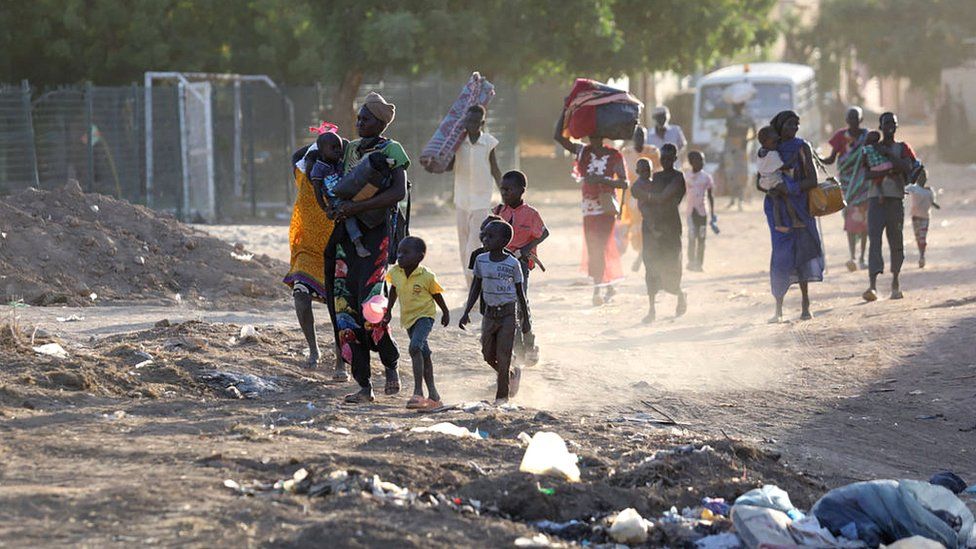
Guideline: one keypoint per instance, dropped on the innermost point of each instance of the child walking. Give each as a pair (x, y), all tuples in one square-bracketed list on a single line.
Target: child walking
[(418, 292), (922, 200), (528, 231), (498, 281), (770, 166), (698, 185)]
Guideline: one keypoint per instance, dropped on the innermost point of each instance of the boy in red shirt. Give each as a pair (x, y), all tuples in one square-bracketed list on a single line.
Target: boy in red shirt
[(528, 231)]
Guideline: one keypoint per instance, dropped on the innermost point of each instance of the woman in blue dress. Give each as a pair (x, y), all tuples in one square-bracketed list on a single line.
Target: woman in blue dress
[(797, 255)]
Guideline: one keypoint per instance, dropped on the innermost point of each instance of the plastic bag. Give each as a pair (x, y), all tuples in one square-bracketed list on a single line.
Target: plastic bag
[(547, 455)]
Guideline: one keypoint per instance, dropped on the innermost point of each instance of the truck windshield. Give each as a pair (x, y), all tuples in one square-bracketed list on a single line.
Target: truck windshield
[(770, 99)]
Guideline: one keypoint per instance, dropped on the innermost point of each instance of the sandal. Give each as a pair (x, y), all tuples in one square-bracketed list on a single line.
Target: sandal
[(430, 405), (417, 402), (392, 382)]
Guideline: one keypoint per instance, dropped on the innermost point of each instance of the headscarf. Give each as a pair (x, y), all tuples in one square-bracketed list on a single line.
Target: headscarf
[(780, 119), (380, 108)]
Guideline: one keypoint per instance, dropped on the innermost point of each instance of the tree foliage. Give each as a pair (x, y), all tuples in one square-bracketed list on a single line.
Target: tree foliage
[(341, 41), (903, 38)]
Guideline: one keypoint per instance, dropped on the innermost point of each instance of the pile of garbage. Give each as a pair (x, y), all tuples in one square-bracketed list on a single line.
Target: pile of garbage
[(897, 513), (355, 482), (67, 247)]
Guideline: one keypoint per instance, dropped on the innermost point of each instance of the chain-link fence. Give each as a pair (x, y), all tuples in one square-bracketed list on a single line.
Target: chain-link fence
[(217, 148)]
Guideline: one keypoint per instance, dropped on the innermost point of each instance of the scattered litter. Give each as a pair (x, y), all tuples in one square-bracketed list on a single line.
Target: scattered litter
[(771, 497), (72, 318), (234, 392), (573, 528), (478, 468), (448, 428), (933, 416), (761, 526), (118, 414), (845, 357), (140, 260), (547, 455), (249, 385), (524, 438), (916, 392), (338, 430), (341, 482), (249, 334), (950, 481), (243, 256), (680, 450), (629, 527), (94, 208), (143, 364), (915, 542), (474, 406), (93, 296), (51, 349), (546, 491), (164, 323), (538, 540), (717, 506), (880, 510), (725, 540)]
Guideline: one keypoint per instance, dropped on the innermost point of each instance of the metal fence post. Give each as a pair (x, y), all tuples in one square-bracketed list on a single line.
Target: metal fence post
[(249, 124), (184, 193), (89, 131), (147, 107), (25, 95)]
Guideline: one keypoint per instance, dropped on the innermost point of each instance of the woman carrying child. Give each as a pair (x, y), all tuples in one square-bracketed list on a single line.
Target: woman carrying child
[(308, 236), (846, 150), (356, 279), (797, 255), (601, 171), (658, 199)]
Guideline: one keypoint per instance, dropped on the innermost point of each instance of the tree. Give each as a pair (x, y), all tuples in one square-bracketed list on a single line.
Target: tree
[(344, 41), (901, 38)]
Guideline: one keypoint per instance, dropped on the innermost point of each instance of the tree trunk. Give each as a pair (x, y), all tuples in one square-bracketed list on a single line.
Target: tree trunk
[(343, 112)]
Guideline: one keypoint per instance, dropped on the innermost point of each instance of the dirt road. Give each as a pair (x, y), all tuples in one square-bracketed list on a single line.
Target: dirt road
[(862, 391)]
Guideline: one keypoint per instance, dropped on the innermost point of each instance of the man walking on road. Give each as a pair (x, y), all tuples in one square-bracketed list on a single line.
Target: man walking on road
[(476, 175)]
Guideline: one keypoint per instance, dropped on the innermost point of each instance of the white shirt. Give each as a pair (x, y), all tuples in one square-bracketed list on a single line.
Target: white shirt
[(768, 167), (696, 189), (921, 199), (473, 183), (672, 134)]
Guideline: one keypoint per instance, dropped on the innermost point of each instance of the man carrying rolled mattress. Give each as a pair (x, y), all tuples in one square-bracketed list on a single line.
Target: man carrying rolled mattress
[(476, 175)]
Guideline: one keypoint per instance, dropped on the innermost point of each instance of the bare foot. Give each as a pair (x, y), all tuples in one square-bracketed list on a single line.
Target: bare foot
[(651, 315), (870, 295), (611, 291), (682, 307), (896, 294), (851, 265), (361, 250), (339, 373), (597, 300), (806, 316), (775, 319), (313, 359), (921, 263)]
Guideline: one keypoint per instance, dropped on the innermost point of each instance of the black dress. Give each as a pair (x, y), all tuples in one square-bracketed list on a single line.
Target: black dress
[(661, 230)]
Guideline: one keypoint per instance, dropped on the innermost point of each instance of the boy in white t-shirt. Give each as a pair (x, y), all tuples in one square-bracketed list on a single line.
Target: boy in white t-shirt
[(698, 187), (922, 201), (476, 175)]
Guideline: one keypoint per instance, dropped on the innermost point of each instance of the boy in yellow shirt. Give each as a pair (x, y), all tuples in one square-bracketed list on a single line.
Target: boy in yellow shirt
[(418, 291)]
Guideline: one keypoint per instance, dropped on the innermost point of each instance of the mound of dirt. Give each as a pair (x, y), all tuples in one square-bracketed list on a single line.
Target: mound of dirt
[(64, 246), (191, 359)]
